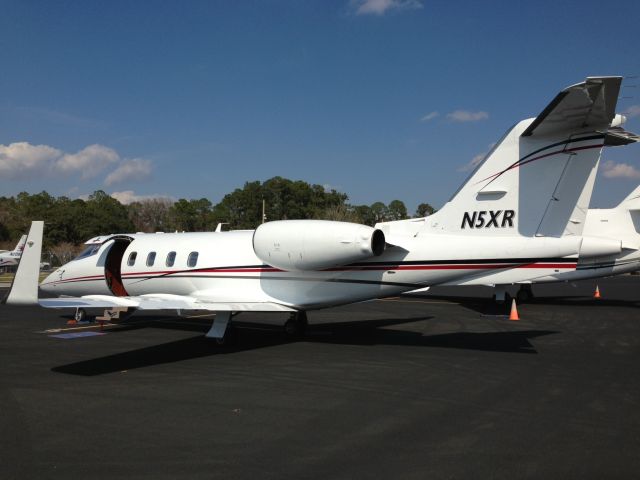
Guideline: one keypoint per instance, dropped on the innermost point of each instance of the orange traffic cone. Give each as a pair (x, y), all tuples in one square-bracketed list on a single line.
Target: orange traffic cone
[(597, 293), (72, 322), (514, 311)]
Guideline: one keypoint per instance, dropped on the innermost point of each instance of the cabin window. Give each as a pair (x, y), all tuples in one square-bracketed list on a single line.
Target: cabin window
[(171, 259), (132, 259), (193, 259), (151, 258)]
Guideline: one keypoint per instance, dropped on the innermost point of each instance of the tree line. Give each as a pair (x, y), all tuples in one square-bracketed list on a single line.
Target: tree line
[(74, 221)]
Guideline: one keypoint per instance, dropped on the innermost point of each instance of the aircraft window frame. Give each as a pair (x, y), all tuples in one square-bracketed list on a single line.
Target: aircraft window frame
[(131, 261), (192, 259), (151, 259), (171, 259), (89, 251)]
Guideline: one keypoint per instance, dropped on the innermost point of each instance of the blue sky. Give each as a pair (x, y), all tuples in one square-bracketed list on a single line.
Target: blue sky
[(381, 99)]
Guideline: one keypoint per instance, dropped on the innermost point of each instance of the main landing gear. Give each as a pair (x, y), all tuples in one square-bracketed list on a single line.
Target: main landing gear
[(222, 331), (501, 296), (296, 325), (525, 293)]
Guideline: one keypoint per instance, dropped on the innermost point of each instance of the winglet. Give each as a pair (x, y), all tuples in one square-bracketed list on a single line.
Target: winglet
[(24, 289)]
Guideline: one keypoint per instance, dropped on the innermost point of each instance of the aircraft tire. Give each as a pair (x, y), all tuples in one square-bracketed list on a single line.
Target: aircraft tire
[(80, 315), (296, 325), (524, 296), (124, 316)]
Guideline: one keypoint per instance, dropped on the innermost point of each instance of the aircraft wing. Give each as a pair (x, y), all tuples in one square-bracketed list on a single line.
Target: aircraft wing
[(161, 302), (588, 104)]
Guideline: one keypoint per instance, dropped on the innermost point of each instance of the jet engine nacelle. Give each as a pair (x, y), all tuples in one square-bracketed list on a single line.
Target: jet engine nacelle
[(315, 244)]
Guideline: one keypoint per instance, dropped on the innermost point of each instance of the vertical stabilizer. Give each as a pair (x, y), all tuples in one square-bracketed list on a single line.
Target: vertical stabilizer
[(24, 290), (538, 180), (631, 206), (20, 246), (632, 201)]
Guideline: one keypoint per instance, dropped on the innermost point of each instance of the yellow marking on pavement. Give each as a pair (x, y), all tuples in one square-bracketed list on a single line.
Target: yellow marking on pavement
[(201, 315), (93, 326), (72, 329)]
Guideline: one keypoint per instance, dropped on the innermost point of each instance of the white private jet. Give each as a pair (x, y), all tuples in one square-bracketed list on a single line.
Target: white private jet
[(13, 257), (515, 216), (621, 223)]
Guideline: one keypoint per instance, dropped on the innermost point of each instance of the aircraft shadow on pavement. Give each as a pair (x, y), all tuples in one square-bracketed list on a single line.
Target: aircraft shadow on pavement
[(365, 332)]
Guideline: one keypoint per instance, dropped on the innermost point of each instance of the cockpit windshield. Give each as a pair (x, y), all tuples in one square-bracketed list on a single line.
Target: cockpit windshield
[(89, 251)]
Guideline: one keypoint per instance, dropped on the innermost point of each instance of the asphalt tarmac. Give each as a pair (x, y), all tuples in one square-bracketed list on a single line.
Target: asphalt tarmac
[(428, 386)]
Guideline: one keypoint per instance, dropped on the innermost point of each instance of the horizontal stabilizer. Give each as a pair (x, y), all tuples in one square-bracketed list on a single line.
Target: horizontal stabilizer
[(617, 136), (587, 105)]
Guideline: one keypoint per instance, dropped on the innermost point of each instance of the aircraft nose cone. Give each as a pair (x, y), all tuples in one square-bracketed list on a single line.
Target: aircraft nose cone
[(48, 284)]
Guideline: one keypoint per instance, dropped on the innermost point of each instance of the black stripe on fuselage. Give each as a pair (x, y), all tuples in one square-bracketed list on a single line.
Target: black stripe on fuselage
[(606, 265), (508, 261)]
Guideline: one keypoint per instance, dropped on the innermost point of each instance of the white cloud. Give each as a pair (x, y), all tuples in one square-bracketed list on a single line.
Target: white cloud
[(632, 111), (380, 7), (429, 116), (135, 169), (473, 163), (466, 116), (611, 169), (129, 196), (89, 161), (21, 159)]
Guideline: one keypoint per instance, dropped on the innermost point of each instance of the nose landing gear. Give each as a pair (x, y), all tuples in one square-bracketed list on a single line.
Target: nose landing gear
[(80, 315)]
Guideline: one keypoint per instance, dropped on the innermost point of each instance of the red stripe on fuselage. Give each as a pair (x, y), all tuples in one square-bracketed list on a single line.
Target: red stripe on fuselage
[(470, 266)]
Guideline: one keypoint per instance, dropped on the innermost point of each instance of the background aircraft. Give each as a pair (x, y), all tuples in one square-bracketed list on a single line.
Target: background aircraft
[(12, 257), (519, 215), (620, 224)]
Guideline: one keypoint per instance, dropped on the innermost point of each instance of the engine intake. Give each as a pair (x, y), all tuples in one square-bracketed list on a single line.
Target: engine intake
[(315, 244)]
